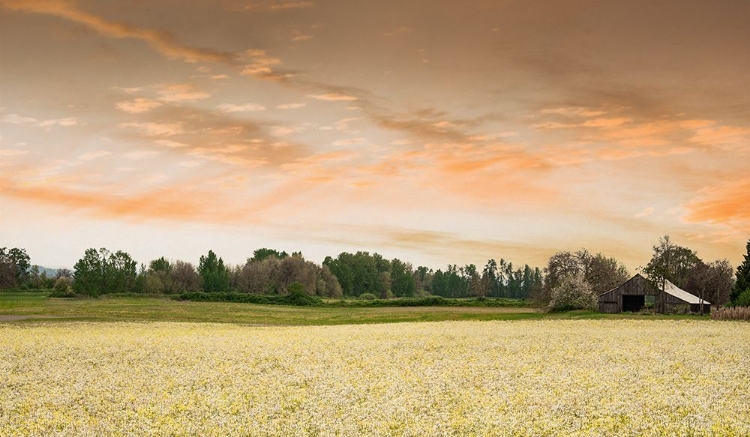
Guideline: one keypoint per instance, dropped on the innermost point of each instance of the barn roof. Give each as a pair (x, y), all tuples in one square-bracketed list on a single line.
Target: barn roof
[(679, 293)]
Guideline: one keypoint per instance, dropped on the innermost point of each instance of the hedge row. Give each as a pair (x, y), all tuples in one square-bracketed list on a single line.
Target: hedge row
[(299, 299), (295, 299)]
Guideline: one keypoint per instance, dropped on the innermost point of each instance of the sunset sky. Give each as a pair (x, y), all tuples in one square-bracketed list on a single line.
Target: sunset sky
[(433, 131)]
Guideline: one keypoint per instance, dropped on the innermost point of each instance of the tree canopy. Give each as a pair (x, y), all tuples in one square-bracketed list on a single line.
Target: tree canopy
[(14, 267), (214, 273), (742, 276)]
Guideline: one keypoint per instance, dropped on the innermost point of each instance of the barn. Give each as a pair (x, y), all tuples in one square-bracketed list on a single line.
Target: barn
[(638, 293)]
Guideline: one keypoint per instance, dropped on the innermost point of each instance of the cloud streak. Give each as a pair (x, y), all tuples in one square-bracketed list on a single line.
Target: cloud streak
[(727, 203), (163, 42)]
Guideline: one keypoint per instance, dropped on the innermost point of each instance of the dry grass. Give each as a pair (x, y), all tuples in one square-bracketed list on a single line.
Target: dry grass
[(731, 313)]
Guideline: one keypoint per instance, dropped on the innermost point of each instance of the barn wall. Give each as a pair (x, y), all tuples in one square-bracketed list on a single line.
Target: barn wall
[(611, 301), (637, 286), (609, 307), (608, 302)]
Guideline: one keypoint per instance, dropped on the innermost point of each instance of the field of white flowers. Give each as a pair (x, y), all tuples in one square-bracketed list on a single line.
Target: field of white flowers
[(551, 377)]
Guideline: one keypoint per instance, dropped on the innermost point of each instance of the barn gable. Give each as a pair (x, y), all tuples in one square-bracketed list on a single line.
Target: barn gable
[(638, 291)]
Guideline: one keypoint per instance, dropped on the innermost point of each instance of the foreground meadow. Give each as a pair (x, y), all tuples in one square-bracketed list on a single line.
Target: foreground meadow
[(540, 377)]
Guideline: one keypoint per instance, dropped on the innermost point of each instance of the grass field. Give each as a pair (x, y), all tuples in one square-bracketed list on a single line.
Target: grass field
[(33, 307), (527, 377)]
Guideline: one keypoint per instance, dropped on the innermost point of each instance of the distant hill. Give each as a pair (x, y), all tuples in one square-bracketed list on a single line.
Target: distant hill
[(50, 272)]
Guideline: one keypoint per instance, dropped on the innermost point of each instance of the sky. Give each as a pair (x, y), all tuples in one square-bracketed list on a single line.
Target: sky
[(433, 131)]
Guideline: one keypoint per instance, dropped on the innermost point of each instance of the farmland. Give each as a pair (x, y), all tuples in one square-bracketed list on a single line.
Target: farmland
[(33, 306), (523, 377)]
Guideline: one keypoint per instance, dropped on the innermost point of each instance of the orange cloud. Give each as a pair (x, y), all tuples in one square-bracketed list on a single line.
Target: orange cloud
[(457, 247), (247, 107), (162, 42), (155, 129), (31, 121), (709, 135), (727, 203), (291, 105), (181, 93), (138, 106), (278, 6), (332, 97), (177, 202)]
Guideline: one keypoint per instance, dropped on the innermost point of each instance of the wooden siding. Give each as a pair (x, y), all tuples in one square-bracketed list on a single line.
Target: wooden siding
[(611, 301)]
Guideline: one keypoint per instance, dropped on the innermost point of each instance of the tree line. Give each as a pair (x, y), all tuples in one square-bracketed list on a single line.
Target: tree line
[(570, 279)]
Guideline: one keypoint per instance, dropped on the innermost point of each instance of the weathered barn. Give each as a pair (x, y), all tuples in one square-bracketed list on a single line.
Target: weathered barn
[(639, 293)]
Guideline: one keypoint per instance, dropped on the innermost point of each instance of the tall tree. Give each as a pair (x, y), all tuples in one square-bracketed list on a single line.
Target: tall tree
[(263, 253), (214, 273), (711, 282), (89, 271), (604, 273), (439, 283), (120, 273), (601, 273), (402, 279), (560, 265), (184, 277), (14, 267), (159, 275), (528, 282), (489, 278), (357, 273), (101, 271), (742, 276), (458, 286), (670, 262)]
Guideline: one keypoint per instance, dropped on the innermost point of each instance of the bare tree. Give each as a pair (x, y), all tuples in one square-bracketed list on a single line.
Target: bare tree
[(184, 277)]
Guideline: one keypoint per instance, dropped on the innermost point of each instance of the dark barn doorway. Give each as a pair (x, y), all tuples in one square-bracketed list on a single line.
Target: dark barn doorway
[(633, 304)]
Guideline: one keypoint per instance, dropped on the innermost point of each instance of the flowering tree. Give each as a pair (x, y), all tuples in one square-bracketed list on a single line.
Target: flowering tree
[(572, 293)]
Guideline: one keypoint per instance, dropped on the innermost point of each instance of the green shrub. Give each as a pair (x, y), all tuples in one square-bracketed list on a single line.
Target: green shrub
[(298, 297), (367, 296), (743, 300), (62, 288)]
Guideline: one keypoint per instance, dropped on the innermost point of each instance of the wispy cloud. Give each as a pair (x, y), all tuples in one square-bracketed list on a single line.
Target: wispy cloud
[(349, 141), (402, 30), (180, 93), (162, 42), (278, 6), (155, 129), (259, 64), (576, 111), (171, 144), (645, 213), (332, 97), (141, 154), (138, 105), (12, 152), (726, 203), (90, 156), (174, 202), (18, 119), (246, 107), (291, 105), (214, 135)]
